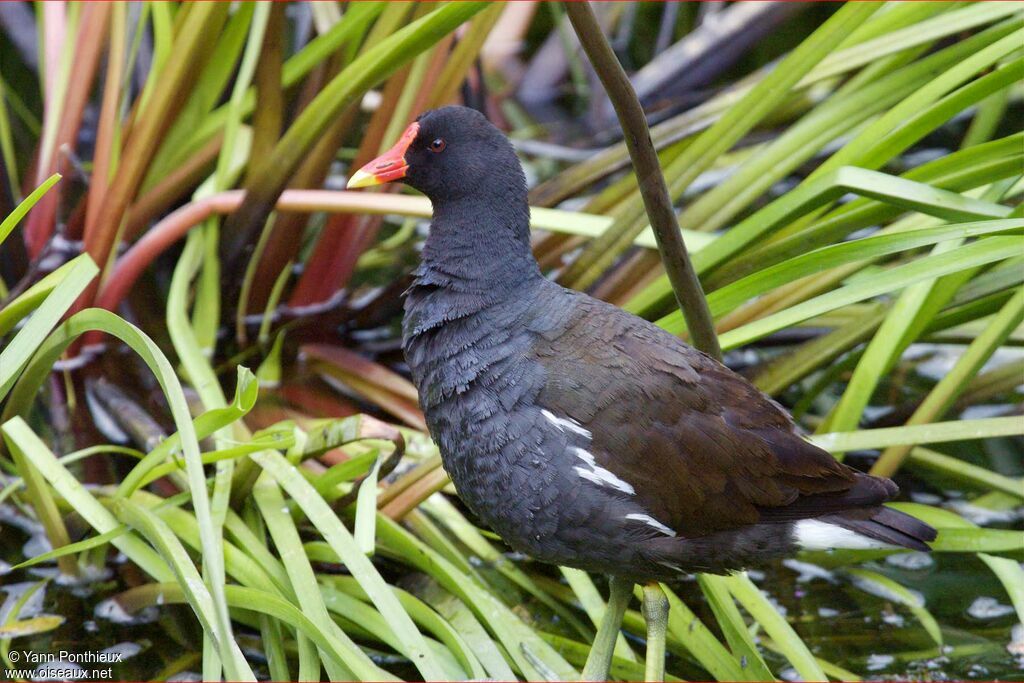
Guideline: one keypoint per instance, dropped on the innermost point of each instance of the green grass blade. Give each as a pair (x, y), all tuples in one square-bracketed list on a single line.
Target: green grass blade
[(7, 150), (734, 628), (95, 319), (966, 473), (19, 435), (342, 542), (729, 297), (25, 205), (246, 392), (248, 599), (30, 299), (978, 541), (317, 51), (896, 191), (920, 33), (366, 621), (909, 315), (202, 602), (956, 528), (422, 614), (469, 535), (687, 628), (943, 395), (303, 582), (97, 541), (976, 254), (517, 638), (736, 122), (275, 439), (775, 625), (620, 669), (1011, 574), (960, 171), (255, 544), (13, 358), (16, 354), (902, 192), (12, 618), (958, 535), (936, 432), (366, 71), (872, 146), (239, 564), (462, 620), (843, 112), (365, 526)]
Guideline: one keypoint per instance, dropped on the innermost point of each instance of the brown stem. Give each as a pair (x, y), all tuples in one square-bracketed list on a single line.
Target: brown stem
[(652, 184)]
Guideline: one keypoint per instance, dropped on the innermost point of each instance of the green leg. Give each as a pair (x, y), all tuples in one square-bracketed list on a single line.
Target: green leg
[(599, 660), (655, 610)]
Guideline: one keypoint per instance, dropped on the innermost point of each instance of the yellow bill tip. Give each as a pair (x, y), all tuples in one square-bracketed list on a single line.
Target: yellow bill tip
[(362, 179)]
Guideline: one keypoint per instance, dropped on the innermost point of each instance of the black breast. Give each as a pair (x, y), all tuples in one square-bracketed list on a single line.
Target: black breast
[(473, 362)]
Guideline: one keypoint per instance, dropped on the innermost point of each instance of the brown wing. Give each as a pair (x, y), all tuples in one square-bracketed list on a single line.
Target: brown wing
[(703, 448)]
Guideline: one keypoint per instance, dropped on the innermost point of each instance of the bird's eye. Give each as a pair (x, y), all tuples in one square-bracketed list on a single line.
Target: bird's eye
[(437, 145)]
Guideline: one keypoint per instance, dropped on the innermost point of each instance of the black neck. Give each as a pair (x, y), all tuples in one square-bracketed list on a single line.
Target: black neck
[(481, 243)]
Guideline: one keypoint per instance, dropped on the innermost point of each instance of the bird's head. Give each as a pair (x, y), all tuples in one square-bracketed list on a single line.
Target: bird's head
[(447, 154)]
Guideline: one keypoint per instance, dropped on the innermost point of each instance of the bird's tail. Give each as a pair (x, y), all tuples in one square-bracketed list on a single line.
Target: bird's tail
[(884, 525)]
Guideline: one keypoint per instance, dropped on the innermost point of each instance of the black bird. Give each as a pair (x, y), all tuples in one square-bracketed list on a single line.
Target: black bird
[(584, 435)]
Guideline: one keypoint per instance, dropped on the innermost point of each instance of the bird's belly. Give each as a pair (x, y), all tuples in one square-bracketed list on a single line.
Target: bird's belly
[(528, 515), (531, 497), (498, 473), (510, 466)]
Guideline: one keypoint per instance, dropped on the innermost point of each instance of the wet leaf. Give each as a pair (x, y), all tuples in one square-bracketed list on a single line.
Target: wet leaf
[(30, 627)]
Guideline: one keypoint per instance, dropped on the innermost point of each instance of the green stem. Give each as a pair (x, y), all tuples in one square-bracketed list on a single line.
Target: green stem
[(653, 188)]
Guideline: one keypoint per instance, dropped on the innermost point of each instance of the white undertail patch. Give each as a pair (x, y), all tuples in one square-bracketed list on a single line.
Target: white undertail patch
[(599, 475), (651, 521), (564, 423), (813, 534)]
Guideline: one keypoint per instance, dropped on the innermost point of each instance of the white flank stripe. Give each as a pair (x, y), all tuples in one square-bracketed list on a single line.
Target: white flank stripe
[(651, 521), (813, 534), (564, 423), (600, 475)]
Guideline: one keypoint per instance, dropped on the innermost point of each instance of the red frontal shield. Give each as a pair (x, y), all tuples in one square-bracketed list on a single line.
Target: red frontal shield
[(389, 166)]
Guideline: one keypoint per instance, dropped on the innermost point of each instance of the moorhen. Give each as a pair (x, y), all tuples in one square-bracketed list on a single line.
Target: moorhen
[(586, 436)]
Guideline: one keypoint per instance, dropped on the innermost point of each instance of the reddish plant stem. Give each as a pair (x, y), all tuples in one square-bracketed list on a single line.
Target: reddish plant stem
[(345, 238), (147, 131), (103, 156), (282, 244), (172, 187), (176, 225), (342, 237), (92, 30)]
